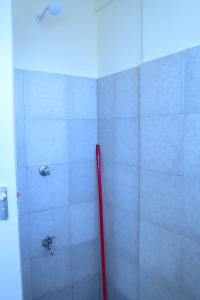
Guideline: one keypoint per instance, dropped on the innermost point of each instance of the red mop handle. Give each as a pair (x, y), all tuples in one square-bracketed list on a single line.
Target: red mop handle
[(103, 261)]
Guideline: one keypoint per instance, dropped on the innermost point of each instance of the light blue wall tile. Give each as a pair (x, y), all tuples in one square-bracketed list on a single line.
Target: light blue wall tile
[(45, 95), (161, 199), (107, 173), (125, 233), (26, 280), (87, 289), (192, 145), (106, 97), (127, 94), (24, 237), (126, 137), (192, 78), (106, 139), (82, 140), (115, 294), (20, 143), (162, 85), (19, 93), (53, 222), (155, 287), (191, 208), (47, 142), (160, 251), (191, 268), (50, 273), (62, 269), (83, 182), (83, 98), (122, 273), (126, 187), (84, 222), (85, 260), (23, 190), (64, 294), (162, 144), (48, 192)]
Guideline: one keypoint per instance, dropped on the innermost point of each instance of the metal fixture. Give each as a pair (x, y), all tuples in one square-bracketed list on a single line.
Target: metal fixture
[(54, 9), (44, 170), (3, 204), (48, 244)]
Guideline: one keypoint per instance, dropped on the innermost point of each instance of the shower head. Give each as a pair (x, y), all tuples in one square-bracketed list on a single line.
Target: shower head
[(54, 9)]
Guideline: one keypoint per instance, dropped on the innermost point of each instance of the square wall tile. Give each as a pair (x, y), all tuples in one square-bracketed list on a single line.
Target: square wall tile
[(85, 260), (83, 98), (106, 139), (192, 145), (191, 208), (155, 287), (83, 182), (64, 294), (54, 222), (82, 140), (20, 143), (47, 192), (51, 273), (45, 95), (24, 237), (87, 289), (84, 222), (126, 137), (47, 142), (160, 251), (161, 199), (123, 273), (19, 94), (105, 97), (127, 94), (23, 190), (162, 142), (26, 280), (125, 233), (191, 268), (114, 293), (108, 188), (126, 187), (162, 85), (192, 78)]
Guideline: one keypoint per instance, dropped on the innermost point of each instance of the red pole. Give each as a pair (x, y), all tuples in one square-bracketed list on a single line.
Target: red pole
[(103, 261)]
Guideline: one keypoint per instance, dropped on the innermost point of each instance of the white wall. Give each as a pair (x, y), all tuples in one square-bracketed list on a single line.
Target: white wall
[(119, 36), (10, 280), (169, 26), (66, 44)]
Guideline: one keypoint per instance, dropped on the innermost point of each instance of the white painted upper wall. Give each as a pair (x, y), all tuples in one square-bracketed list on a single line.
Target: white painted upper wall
[(169, 26), (119, 36), (66, 44)]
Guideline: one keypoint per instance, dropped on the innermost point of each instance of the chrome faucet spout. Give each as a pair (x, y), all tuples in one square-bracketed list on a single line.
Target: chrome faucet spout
[(48, 244)]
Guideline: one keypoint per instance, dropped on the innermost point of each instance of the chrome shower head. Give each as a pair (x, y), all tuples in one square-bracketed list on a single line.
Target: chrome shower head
[(54, 9)]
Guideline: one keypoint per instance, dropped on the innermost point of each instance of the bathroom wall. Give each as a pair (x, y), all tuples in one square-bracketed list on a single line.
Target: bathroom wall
[(10, 256), (66, 44), (118, 135), (56, 125), (169, 27), (169, 206), (119, 33)]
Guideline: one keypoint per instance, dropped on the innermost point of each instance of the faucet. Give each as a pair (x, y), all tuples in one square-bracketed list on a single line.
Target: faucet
[(48, 244)]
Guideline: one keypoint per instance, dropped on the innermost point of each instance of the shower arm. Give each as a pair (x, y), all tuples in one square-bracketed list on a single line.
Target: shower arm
[(41, 16)]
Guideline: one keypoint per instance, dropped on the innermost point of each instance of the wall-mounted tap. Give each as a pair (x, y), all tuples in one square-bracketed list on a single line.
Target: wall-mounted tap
[(48, 244)]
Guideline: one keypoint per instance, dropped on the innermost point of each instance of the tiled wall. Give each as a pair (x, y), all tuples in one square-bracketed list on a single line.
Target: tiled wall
[(170, 182), (149, 131), (118, 135), (56, 124)]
